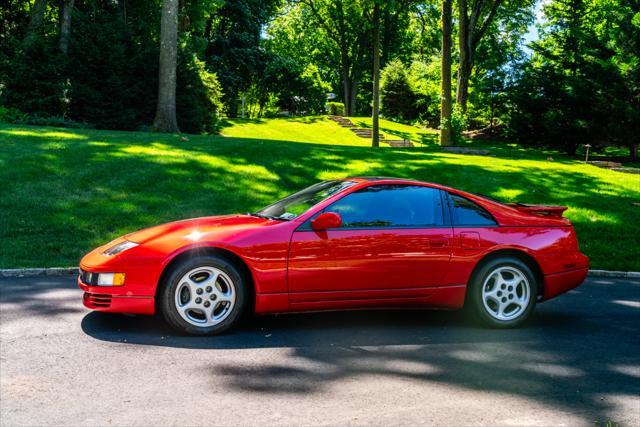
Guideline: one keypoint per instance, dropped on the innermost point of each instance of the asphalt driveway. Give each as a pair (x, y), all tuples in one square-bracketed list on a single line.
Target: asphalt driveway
[(576, 363)]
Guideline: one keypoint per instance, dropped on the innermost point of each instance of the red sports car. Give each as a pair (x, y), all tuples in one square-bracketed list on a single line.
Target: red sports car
[(362, 242)]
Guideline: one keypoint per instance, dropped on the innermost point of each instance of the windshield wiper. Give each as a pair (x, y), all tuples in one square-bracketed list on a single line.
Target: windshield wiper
[(259, 215)]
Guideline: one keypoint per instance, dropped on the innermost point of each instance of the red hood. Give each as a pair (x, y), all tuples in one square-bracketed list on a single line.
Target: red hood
[(200, 228)]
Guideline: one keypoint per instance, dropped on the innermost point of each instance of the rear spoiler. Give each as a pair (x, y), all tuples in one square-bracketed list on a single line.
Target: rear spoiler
[(541, 210)]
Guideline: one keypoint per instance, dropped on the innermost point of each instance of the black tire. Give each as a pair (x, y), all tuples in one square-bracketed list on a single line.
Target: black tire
[(170, 284), (476, 306)]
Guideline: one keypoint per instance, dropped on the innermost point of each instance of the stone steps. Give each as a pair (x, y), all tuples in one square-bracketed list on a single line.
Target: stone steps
[(342, 121), (399, 142), (368, 133)]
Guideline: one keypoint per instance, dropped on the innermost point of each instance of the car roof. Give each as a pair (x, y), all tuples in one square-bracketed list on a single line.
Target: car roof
[(390, 179), (503, 213), (375, 178)]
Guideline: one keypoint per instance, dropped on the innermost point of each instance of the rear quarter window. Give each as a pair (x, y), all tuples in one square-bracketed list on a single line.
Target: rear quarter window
[(467, 213)]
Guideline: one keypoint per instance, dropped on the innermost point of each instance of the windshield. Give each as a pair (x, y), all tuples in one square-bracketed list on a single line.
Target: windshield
[(296, 204)]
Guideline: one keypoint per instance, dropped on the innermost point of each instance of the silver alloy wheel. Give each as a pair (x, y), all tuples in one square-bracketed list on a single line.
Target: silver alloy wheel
[(205, 296), (506, 293)]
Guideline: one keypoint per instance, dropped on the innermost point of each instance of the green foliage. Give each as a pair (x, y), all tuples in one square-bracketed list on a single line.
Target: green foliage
[(424, 78), (34, 77), (234, 49), (11, 115), (335, 108), (577, 88), (198, 96), (397, 97), (298, 89), (459, 123), (113, 79)]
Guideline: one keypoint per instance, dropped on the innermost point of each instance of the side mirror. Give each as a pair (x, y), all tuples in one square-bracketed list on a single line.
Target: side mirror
[(326, 220)]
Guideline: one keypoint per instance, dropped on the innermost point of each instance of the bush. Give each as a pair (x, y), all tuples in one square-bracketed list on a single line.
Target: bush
[(198, 96), (424, 78), (298, 89), (335, 108), (11, 115), (113, 78), (15, 116), (459, 123), (57, 121), (33, 78), (397, 98)]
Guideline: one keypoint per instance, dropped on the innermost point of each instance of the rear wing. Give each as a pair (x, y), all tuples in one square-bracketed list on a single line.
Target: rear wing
[(540, 210)]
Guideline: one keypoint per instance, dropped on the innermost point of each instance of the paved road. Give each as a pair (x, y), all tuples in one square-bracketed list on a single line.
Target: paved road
[(576, 363)]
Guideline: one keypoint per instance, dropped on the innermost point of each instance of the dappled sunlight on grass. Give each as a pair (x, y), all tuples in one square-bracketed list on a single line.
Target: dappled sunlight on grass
[(391, 130), (508, 194), (35, 132), (589, 215), (167, 154), (317, 130), (62, 196)]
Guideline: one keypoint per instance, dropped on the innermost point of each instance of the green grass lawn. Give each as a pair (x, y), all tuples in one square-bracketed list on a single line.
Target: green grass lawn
[(65, 191)]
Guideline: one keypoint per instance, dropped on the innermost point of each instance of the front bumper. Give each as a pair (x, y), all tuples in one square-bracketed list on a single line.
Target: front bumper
[(102, 298)]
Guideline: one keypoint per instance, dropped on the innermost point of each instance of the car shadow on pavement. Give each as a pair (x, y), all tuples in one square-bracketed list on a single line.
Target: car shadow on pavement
[(578, 353)]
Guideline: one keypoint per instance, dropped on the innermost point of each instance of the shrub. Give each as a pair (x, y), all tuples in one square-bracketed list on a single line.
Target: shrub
[(424, 78), (11, 115), (198, 96), (298, 89), (113, 76), (33, 79), (459, 123), (397, 98), (335, 108)]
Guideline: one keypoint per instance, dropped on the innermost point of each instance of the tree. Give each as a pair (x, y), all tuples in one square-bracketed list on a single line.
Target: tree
[(445, 103), (375, 136), (337, 37), (472, 29), (234, 46), (397, 96), (36, 22), (346, 25), (581, 85), (65, 25), (165, 120)]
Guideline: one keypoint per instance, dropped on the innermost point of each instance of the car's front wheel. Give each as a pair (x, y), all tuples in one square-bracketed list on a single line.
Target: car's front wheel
[(503, 293), (204, 296)]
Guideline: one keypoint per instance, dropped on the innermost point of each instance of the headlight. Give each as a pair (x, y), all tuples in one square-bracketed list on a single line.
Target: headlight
[(110, 279), (120, 247), (101, 279)]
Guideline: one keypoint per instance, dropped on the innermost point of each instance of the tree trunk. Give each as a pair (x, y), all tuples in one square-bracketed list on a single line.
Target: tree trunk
[(165, 120), (37, 18), (469, 35), (633, 152), (346, 90), (375, 136), (445, 104), (464, 44), (354, 96), (65, 25)]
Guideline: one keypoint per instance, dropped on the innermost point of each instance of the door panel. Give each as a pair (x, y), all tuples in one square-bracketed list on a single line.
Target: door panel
[(336, 263)]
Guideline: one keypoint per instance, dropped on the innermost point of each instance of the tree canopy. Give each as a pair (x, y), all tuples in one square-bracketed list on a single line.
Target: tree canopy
[(96, 63)]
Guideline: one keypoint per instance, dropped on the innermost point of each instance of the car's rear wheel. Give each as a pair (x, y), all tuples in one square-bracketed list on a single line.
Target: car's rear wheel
[(204, 296), (503, 293)]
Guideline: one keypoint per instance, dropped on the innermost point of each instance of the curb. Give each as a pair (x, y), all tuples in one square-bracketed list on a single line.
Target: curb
[(36, 272), (619, 274), (66, 271)]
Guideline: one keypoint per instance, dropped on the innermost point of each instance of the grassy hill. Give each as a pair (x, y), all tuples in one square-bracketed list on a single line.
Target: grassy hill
[(65, 191)]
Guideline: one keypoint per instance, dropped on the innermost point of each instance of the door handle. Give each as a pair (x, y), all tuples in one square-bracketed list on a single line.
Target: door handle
[(438, 243)]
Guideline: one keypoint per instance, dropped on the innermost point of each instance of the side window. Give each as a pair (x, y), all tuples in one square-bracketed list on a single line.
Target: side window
[(467, 213), (390, 206)]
